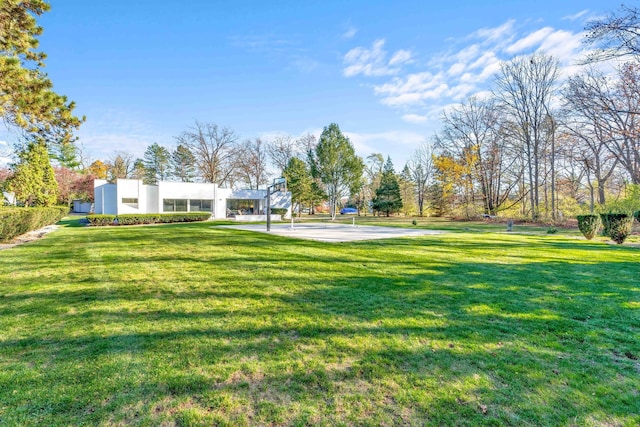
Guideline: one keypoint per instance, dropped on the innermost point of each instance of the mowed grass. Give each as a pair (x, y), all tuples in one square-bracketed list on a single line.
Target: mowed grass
[(191, 324)]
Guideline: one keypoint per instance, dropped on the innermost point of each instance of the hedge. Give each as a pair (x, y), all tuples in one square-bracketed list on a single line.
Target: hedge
[(15, 222), (617, 226), (101, 219), (152, 218), (589, 225), (636, 215)]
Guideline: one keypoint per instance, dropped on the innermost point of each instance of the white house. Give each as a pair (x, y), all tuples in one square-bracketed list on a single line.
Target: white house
[(132, 196)]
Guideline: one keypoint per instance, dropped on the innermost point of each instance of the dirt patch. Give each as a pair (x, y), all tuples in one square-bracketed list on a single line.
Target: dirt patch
[(29, 237)]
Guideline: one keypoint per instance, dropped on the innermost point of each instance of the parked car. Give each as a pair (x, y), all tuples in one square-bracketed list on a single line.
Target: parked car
[(344, 211)]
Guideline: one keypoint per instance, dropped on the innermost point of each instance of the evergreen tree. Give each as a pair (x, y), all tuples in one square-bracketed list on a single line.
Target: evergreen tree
[(27, 100), (299, 181), (156, 164), (138, 171), (183, 163), (388, 198), (66, 155), (33, 181)]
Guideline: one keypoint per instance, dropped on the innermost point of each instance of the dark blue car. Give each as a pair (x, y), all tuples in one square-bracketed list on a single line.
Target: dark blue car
[(348, 211)]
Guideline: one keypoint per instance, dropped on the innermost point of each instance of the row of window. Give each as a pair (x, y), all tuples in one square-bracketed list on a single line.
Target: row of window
[(175, 205)]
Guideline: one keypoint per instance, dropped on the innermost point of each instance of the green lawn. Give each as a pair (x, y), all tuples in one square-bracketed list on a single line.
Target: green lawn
[(190, 324)]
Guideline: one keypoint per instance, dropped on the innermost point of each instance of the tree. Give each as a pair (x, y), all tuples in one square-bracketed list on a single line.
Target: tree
[(183, 163), (120, 166), (299, 182), (615, 35), (612, 104), (73, 185), (27, 100), (156, 164), (388, 198), (33, 181), (98, 169), (214, 149), (407, 191), (281, 149), (251, 163), (66, 155), (336, 165), (472, 133), (421, 168), (525, 89)]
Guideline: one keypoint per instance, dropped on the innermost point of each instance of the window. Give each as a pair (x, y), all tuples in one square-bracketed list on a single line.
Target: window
[(130, 201), (200, 205), (174, 205), (243, 207)]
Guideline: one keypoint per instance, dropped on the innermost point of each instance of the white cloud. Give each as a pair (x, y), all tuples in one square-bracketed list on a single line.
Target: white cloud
[(575, 16), (385, 142), (500, 32), (373, 61), (564, 45), (415, 118), (400, 56), (530, 40), (349, 33), (464, 69)]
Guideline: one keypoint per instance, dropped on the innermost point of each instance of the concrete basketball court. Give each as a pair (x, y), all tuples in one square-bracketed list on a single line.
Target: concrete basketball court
[(334, 232)]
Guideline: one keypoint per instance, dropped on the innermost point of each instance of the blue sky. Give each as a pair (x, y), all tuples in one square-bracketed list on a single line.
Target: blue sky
[(143, 71)]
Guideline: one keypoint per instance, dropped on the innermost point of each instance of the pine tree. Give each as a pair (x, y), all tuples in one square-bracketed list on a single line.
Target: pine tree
[(156, 164), (388, 198), (33, 181), (183, 163), (27, 100)]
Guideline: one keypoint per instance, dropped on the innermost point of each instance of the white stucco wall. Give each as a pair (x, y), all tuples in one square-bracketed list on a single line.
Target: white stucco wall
[(105, 201), (130, 188)]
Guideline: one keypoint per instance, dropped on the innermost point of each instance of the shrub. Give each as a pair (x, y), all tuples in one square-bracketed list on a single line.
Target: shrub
[(18, 221), (152, 218), (636, 215), (617, 226), (589, 225), (101, 219), (279, 211)]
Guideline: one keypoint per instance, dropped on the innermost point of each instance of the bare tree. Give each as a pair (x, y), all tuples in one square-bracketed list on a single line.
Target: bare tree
[(306, 144), (281, 149), (472, 132), (214, 149), (251, 163), (421, 169), (120, 165), (615, 35), (525, 89), (606, 109)]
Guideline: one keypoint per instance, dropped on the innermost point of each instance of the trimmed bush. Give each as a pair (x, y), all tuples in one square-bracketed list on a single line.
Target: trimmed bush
[(617, 226), (101, 219), (279, 211), (589, 225), (15, 222), (152, 218)]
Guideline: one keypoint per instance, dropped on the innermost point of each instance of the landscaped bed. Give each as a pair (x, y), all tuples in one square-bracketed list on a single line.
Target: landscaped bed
[(191, 324)]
